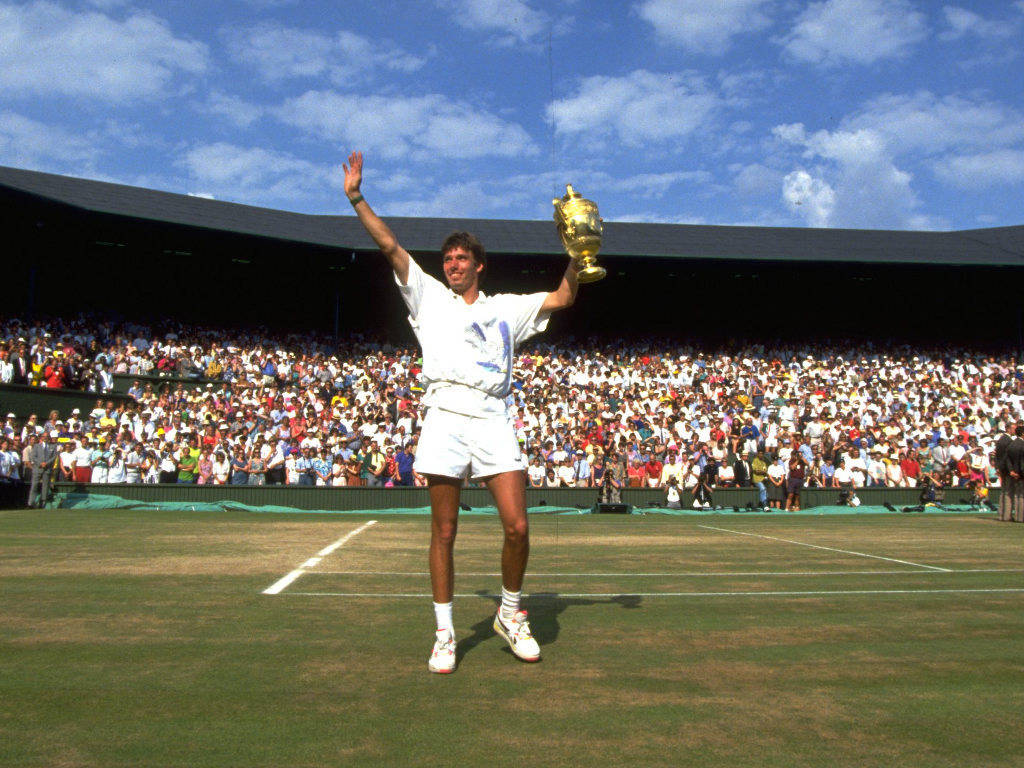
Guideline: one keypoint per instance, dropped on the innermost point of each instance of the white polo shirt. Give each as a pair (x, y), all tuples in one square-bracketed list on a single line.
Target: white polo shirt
[(468, 349)]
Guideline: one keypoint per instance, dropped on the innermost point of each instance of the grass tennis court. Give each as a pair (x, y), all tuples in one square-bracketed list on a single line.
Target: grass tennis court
[(147, 638)]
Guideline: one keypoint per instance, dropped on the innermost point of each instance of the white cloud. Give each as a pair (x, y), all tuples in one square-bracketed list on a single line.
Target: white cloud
[(929, 124), (27, 143), (422, 127), (651, 217), (855, 184), (742, 86), (47, 50), (237, 111), (512, 20), (652, 185), (969, 142), (280, 53), (966, 142), (998, 167), (107, 5), (263, 5), (526, 192), (255, 175), (400, 182), (702, 26), (465, 199), (638, 108), (810, 198), (859, 31), (963, 22), (756, 179)]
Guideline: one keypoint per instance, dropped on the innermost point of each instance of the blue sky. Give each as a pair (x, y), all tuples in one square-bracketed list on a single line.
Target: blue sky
[(896, 114)]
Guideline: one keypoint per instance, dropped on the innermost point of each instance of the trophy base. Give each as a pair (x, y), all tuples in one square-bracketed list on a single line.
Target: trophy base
[(591, 274)]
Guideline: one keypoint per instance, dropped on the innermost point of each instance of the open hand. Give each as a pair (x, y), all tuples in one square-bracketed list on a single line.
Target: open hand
[(353, 173)]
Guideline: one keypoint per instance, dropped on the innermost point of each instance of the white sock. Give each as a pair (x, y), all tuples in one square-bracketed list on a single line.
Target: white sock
[(509, 602), (443, 614)]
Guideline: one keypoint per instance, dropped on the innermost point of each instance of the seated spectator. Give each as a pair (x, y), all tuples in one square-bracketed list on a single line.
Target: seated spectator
[(636, 474)]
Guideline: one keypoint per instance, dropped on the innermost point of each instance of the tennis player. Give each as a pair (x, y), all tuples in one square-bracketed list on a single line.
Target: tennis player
[(468, 340)]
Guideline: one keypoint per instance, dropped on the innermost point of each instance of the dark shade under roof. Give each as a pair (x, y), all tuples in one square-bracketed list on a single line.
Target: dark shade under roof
[(1002, 246)]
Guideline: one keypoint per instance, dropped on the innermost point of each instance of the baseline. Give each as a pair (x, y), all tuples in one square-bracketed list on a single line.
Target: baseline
[(281, 584), (830, 549), (613, 595), (598, 575)]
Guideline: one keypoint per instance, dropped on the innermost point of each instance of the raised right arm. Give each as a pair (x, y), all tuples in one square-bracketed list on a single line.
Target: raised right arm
[(382, 235)]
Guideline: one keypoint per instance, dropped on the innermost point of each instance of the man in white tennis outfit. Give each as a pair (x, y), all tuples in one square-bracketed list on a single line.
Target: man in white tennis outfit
[(468, 341)]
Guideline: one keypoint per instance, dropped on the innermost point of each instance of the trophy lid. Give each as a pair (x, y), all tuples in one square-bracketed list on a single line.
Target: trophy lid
[(570, 194)]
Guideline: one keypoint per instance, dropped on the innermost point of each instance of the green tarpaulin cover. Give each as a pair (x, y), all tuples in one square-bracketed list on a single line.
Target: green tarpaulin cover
[(100, 501)]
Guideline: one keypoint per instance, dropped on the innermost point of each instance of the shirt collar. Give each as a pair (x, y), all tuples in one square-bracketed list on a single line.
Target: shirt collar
[(481, 297)]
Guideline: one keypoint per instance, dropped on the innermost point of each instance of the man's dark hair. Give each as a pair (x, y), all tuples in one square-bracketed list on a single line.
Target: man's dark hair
[(1019, 431), (467, 241)]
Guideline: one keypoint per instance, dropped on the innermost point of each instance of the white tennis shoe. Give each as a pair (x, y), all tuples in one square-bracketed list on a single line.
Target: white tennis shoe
[(516, 632), (442, 659)]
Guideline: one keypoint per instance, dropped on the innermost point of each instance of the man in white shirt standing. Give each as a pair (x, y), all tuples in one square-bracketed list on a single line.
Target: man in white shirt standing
[(468, 341)]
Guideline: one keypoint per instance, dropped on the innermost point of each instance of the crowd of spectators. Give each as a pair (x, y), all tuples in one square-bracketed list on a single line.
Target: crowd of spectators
[(303, 410)]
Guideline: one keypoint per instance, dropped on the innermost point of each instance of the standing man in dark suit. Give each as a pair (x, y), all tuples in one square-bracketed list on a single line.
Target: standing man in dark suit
[(741, 469), (43, 457), (1015, 467), (999, 460), (22, 364)]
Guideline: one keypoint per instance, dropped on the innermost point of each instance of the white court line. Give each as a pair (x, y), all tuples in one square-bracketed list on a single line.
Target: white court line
[(282, 583), (691, 573), (556, 595), (830, 549)]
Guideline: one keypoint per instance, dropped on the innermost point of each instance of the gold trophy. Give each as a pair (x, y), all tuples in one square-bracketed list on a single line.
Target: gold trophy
[(579, 226)]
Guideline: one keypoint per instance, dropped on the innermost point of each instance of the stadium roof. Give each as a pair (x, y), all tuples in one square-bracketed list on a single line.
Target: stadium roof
[(1001, 246)]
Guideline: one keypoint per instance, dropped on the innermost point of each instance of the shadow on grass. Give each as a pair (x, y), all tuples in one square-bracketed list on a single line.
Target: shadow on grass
[(544, 608)]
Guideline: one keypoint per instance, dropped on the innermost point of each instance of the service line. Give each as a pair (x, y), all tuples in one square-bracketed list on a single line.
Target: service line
[(281, 584), (830, 549)]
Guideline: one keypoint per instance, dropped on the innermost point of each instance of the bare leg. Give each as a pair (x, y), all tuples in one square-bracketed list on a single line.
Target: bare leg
[(444, 523), (509, 491)]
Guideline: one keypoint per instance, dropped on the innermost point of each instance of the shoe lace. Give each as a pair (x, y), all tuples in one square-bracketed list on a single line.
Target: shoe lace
[(521, 626), (444, 645)]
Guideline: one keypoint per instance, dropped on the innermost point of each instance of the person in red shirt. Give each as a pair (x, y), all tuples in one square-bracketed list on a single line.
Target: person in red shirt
[(391, 466), (652, 470), (636, 474), (911, 469), (963, 471), (54, 375), (210, 438)]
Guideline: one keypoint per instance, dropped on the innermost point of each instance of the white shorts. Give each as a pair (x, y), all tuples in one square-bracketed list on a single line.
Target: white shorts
[(453, 445)]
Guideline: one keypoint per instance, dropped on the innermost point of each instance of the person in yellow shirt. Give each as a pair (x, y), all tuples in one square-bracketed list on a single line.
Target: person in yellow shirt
[(671, 469)]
